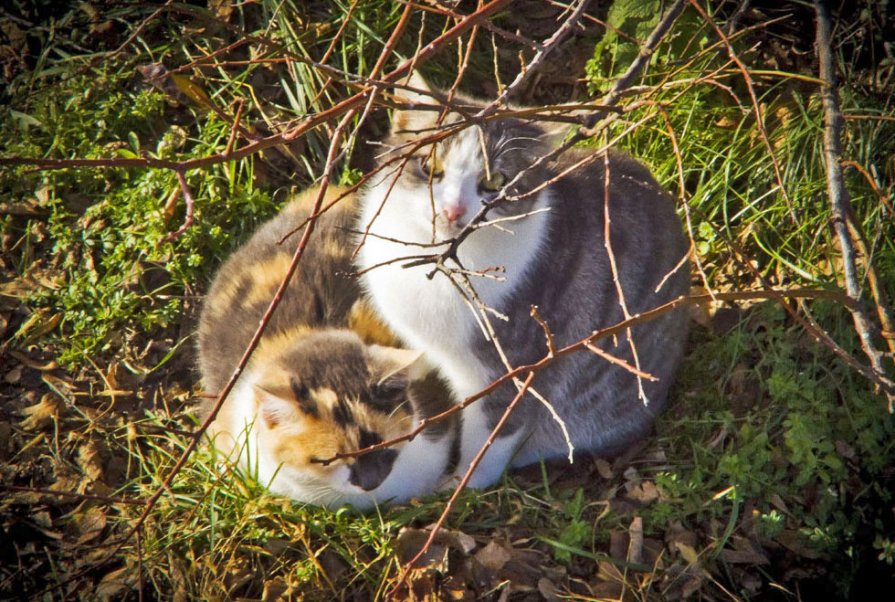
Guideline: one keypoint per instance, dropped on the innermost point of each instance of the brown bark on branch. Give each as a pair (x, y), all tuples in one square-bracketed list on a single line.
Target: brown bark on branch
[(843, 220)]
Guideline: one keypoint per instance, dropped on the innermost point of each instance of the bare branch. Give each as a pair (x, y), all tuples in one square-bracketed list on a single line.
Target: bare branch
[(843, 218)]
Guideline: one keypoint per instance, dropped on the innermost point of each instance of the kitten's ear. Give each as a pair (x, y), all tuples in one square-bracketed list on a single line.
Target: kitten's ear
[(392, 362), (274, 407), (412, 120)]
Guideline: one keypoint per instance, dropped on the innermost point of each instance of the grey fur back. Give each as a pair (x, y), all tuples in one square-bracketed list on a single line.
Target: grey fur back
[(572, 285)]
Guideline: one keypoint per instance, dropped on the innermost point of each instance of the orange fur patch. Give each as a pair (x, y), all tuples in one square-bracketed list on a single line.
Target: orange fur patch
[(364, 321), (266, 277)]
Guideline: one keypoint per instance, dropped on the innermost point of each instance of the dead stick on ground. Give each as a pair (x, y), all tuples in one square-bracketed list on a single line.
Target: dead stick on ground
[(840, 202)]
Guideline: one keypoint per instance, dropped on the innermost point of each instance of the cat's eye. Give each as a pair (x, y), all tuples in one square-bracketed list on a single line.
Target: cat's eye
[(492, 182), (431, 166), (389, 391)]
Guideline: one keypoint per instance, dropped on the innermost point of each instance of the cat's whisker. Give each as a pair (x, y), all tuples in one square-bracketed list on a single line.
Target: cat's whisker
[(498, 148)]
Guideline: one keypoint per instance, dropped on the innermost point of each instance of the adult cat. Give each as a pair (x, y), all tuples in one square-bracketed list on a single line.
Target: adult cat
[(543, 243)]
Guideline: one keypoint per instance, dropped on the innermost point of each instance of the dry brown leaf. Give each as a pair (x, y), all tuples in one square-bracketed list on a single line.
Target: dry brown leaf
[(797, 543), (32, 363), (635, 545), (60, 385), (42, 413), (645, 492), (14, 375), (275, 589), (607, 571), (548, 589), (604, 469), (410, 541), (114, 585), (744, 552), (692, 585), (607, 590), (90, 460), (222, 9), (42, 519), (493, 556), (687, 552), (38, 324), (618, 545), (88, 525)]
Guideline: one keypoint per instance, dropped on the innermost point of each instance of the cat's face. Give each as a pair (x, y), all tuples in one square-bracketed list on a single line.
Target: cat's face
[(442, 185), (327, 394)]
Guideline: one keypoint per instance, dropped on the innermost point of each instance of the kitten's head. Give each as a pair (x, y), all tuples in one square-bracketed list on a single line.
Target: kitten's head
[(447, 181), (325, 394)]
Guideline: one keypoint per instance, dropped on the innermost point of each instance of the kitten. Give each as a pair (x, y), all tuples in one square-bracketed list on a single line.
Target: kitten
[(325, 378), (550, 249)]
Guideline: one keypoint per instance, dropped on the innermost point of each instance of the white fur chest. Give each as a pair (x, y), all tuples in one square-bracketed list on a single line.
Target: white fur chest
[(434, 314)]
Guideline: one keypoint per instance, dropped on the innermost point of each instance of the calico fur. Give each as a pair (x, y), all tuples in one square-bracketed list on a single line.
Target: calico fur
[(326, 377), (549, 249)]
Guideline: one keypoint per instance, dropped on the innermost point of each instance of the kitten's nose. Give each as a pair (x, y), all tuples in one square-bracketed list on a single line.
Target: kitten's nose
[(454, 212), (369, 470)]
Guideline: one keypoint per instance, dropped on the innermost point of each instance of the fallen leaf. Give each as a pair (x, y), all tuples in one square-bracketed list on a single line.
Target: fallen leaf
[(687, 552), (744, 552), (604, 469), (90, 460), (635, 545), (547, 589), (410, 541), (645, 492), (114, 585), (493, 556), (38, 324), (797, 543), (607, 590), (618, 545), (34, 364), (88, 525), (607, 571), (692, 585), (42, 413), (14, 375), (274, 589), (42, 519)]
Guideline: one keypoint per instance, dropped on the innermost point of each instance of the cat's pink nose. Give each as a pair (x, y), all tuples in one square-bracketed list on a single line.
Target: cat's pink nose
[(454, 212)]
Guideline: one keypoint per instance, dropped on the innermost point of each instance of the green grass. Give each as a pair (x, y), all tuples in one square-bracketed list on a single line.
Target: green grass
[(770, 440)]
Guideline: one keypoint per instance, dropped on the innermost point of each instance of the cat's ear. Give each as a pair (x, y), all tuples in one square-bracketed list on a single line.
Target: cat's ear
[(393, 362), (410, 119), (274, 407)]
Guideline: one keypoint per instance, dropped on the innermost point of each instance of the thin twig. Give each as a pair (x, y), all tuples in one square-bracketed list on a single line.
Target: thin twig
[(190, 207), (542, 53), (840, 202)]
